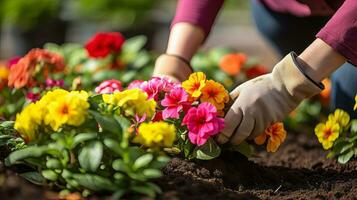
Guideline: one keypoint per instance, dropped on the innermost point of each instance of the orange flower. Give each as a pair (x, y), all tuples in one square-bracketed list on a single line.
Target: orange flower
[(37, 60), (214, 93), (275, 134), (194, 84), (4, 73), (325, 94), (232, 63)]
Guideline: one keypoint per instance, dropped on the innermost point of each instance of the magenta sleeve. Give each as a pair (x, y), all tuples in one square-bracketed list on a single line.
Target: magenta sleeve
[(341, 31), (201, 13)]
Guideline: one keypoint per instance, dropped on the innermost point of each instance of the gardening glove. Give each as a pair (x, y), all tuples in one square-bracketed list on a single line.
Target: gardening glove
[(267, 99), (173, 67)]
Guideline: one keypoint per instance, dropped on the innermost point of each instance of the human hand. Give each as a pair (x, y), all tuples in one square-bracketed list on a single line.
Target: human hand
[(172, 67), (267, 99)]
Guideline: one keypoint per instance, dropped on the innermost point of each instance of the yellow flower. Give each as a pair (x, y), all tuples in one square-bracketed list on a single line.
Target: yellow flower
[(327, 133), (4, 72), (276, 135), (70, 108), (27, 122), (156, 134), (355, 108), (341, 117), (215, 93), (195, 84), (132, 102)]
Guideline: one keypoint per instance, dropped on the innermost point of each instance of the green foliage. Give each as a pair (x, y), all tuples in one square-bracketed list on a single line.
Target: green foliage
[(28, 13), (88, 158), (119, 13)]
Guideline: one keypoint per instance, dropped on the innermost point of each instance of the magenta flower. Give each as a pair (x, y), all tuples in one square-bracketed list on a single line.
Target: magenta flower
[(202, 123), (155, 86), (108, 87), (175, 101), (54, 83), (135, 84), (33, 97)]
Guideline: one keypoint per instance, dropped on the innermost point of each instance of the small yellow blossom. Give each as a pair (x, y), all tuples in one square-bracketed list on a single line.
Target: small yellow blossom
[(156, 134), (341, 117), (215, 93), (27, 122), (195, 84), (275, 134), (327, 133), (132, 102), (355, 108)]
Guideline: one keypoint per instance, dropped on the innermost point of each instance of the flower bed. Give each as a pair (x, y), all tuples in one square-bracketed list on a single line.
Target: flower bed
[(88, 136)]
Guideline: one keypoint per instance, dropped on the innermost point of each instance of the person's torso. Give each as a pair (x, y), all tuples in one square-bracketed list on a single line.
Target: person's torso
[(304, 7)]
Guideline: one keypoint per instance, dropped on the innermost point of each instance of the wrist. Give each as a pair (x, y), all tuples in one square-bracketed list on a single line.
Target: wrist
[(172, 66)]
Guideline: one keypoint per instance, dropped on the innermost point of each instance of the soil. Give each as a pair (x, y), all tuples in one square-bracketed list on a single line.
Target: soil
[(298, 170)]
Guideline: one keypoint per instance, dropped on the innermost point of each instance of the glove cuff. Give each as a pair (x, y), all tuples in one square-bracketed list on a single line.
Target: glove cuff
[(288, 74)]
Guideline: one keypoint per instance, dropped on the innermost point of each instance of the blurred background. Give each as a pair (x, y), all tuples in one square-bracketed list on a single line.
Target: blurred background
[(26, 24)]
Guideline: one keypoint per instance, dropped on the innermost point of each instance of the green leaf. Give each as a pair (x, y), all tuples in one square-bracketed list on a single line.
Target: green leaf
[(346, 147), (53, 163), (160, 162), (146, 190), (344, 158), (82, 137), (208, 151), (244, 148), (94, 182), (142, 60), (142, 161), (33, 177), (91, 155), (134, 44), (7, 124), (113, 145), (123, 122), (50, 174), (108, 123), (28, 152), (354, 126), (152, 173), (119, 165)]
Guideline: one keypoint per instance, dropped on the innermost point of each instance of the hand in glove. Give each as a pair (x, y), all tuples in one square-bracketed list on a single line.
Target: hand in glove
[(267, 99)]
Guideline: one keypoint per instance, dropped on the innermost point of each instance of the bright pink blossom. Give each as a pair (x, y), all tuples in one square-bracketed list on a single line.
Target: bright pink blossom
[(135, 84), (155, 86), (108, 87), (202, 123), (175, 101), (54, 83), (33, 97)]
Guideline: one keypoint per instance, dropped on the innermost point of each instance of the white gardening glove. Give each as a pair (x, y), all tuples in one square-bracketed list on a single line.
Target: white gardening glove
[(267, 99), (173, 67)]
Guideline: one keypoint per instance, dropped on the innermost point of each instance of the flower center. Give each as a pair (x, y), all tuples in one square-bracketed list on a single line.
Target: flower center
[(327, 134), (64, 110)]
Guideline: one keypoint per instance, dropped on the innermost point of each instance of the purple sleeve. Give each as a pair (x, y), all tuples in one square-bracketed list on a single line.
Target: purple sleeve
[(341, 31), (201, 13)]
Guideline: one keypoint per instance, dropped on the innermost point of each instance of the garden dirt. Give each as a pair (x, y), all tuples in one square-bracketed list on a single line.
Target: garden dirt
[(298, 170)]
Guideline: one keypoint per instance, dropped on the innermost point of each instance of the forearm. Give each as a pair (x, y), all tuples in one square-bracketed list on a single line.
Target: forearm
[(184, 40), (319, 60)]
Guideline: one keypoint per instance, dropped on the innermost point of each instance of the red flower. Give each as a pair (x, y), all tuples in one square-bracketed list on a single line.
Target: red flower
[(103, 44), (108, 87), (255, 71)]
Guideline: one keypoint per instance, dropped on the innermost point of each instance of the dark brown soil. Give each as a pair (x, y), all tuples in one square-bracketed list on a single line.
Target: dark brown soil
[(299, 170)]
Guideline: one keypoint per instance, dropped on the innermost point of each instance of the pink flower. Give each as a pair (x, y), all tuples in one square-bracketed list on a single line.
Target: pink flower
[(54, 83), (155, 86), (202, 123), (135, 84), (174, 102), (157, 117), (108, 87), (33, 97)]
